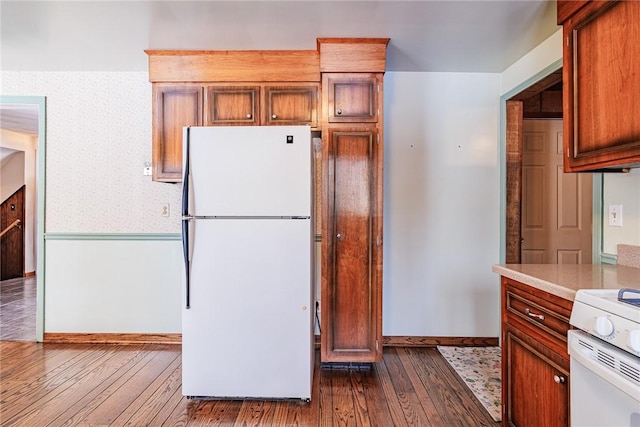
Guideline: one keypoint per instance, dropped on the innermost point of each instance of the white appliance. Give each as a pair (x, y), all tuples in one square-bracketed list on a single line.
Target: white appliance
[(605, 358), (247, 319)]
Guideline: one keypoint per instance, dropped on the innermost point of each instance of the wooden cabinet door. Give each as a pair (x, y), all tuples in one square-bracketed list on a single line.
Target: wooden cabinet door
[(232, 106), (174, 106), (601, 82), (352, 97), (352, 242), (535, 383), (291, 105)]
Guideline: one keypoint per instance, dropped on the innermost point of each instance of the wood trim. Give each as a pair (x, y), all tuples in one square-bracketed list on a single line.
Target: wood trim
[(387, 341), (29, 274), (353, 55), (233, 66), (514, 181), (100, 338), (412, 341)]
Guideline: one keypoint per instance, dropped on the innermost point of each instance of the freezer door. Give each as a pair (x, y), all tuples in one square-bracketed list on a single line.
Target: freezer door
[(249, 329), (249, 171)]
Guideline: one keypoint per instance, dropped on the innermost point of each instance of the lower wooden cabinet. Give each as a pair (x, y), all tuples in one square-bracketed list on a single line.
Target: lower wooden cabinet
[(352, 243), (536, 387), (535, 362)]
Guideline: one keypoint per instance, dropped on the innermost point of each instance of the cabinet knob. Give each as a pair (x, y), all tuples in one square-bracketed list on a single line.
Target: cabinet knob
[(248, 116), (558, 379), (339, 111), (339, 236), (274, 116)]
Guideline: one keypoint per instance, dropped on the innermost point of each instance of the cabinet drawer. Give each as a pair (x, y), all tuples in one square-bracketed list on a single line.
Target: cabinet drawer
[(539, 313)]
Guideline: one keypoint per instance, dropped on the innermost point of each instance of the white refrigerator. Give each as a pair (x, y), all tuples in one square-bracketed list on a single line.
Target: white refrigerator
[(247, 318)]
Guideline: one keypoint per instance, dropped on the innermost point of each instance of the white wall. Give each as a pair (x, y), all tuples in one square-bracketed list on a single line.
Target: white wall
[(11, 174), (113, 286), (441, 204), (539, 58), (98, 138), (621, 189)]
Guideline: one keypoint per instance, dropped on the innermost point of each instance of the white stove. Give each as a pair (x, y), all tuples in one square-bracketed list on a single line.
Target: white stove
[(605, 358), (602, 313)]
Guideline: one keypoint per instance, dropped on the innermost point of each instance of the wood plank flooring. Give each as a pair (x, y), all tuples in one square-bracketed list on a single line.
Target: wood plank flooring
[(140, 385), (18, 309)]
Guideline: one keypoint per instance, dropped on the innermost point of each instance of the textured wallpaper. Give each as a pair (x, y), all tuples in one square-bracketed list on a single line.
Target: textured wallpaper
[(98, 139)]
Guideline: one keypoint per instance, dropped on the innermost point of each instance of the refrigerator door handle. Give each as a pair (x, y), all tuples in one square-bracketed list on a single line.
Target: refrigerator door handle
[(186, 217), (185, 173), (187, 264)]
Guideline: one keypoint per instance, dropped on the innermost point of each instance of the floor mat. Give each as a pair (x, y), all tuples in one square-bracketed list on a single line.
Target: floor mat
[(480, 369)]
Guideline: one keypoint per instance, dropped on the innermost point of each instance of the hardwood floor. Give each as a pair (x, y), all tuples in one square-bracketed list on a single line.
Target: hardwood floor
[(140, 385), (18, 309)]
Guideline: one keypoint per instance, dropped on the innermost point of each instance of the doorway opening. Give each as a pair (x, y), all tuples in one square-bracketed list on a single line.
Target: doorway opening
[(22, 148), (548, 215)]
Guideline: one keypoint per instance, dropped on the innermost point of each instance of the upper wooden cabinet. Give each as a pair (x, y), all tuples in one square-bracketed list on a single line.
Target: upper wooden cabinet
[(174, 106), (232, 105), (291, 105), (227, 88), (601, 83), (352, 98), (268, 105), (178, 105)]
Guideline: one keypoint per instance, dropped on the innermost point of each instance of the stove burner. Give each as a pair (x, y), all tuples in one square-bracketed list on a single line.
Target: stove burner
[(632, 301)]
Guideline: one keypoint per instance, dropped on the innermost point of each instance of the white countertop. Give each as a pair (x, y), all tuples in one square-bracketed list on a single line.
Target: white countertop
[(564, 280)]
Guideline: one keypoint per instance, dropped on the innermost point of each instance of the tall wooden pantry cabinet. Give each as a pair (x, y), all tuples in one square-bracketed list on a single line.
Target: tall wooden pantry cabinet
[(352, 156)]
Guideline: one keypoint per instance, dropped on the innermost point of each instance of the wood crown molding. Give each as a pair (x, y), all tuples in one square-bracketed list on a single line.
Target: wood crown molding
[(353, 55), (332, 55), (233, 66)]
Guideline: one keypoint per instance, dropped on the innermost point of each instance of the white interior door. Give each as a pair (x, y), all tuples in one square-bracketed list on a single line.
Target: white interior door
[(556, 206)]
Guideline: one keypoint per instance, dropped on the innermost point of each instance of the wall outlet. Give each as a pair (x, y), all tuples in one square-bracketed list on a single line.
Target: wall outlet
[(165, 209), (615, 215), (147, 169)]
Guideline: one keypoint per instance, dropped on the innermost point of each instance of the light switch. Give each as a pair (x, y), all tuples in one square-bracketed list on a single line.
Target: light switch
[(615, 215)]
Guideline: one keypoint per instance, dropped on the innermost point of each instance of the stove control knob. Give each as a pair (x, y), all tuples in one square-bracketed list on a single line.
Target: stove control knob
[(633, 340), (604, 326)]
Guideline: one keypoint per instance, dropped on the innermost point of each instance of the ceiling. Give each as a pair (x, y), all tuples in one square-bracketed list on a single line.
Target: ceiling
[(431, 35), (426, 36)]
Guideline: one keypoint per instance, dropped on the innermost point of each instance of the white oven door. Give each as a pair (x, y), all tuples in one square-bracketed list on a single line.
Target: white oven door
[(605, 383)]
